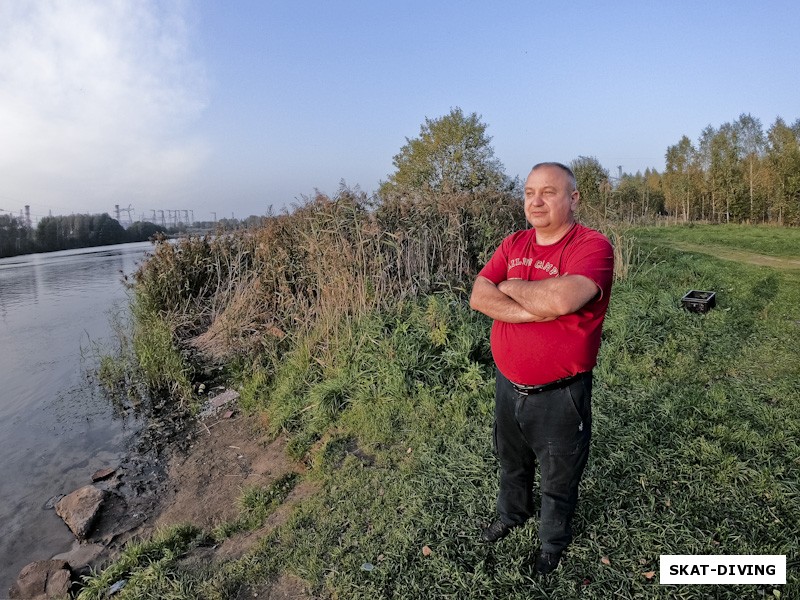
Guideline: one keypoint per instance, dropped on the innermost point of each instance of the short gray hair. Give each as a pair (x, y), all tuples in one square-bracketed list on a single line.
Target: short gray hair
[(563, 167)]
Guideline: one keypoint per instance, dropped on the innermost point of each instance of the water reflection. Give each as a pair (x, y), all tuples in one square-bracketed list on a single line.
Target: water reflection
[(17, 286), (100, 271), (23, 279)]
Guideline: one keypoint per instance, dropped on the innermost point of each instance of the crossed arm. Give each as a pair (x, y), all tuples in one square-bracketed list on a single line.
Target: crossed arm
[(520, 301)]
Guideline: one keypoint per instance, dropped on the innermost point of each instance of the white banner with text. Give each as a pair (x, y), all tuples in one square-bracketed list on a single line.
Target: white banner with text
[(734, 569)]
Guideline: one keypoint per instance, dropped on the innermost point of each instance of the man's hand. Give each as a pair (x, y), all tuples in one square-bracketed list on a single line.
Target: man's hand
[(551, 297), (487, 298)]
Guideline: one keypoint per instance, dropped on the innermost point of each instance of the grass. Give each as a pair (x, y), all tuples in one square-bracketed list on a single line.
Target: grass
[(148, 568), (761, 239), (256, 504), (695, 446), (695, 452), (145, 362)]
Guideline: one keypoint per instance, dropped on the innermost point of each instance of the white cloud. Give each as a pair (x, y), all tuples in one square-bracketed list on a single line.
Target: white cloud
[(96, 102)]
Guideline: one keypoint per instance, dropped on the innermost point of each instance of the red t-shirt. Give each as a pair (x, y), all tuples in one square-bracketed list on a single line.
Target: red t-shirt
[(538, 353)]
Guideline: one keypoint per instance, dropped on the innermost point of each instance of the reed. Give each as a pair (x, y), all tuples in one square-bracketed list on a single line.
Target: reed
[(260, 289)]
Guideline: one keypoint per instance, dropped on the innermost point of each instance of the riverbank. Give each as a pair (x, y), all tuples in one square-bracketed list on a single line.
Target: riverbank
[(193, 474)]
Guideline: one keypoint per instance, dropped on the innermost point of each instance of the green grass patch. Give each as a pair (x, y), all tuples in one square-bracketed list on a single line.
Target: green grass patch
[(149, 568), (256, 504), (143, 363), (761, 239), (161, 364), (694, 449)]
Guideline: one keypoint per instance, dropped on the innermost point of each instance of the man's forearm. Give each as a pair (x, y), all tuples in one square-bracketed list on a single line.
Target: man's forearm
[(488, 299), (552, 297)]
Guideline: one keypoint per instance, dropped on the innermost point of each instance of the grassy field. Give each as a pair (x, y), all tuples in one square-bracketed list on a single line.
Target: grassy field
[(767, 240), (695, 447)]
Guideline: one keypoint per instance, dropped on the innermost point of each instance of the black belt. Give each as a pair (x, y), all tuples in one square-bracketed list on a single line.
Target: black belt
[(553, 385)]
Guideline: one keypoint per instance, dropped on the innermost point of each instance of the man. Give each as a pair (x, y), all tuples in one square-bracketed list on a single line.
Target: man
[(547, 289)]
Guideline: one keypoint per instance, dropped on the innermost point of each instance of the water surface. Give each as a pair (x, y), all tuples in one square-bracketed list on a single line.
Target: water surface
[(56, 425)]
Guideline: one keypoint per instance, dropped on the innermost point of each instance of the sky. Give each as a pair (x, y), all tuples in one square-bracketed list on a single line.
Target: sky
[(230, 108)]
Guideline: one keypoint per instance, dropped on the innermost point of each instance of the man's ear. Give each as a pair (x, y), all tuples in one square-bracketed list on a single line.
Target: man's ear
[(576, 199)]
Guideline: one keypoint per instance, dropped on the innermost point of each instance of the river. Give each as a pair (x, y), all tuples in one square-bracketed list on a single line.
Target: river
[(56, 425)]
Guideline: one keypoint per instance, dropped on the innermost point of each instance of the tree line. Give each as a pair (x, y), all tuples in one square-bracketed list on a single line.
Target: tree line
[(736, 172), (69, 232)]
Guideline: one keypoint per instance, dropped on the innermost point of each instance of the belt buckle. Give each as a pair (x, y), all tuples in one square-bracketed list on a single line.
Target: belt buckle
[(553, 385), (525, 390)]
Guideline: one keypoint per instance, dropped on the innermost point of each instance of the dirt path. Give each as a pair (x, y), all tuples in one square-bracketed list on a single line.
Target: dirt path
[(742, 256), (205, 483)]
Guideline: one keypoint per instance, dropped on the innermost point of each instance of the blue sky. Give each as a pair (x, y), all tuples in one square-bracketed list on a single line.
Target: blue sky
[(230, 107)]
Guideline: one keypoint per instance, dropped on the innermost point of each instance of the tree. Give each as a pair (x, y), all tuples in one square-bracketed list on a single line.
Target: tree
[(751, 145), (78, 231), (653, 201), (593, 184), (451, 154), (638, 196), (15, 237), (106, 231), (704, 161), (254, 221), (141, 231), (681, 178), (48, 234), (628, 196), (783, 159), (721, 160), (726, 166)]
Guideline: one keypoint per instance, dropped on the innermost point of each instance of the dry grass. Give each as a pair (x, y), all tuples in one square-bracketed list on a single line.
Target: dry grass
[(331, 257)]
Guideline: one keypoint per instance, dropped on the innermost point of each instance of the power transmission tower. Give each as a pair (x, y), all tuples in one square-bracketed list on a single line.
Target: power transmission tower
[(126, 210)]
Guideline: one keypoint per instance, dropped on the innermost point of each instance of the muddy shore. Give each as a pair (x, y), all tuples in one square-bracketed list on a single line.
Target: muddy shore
[(189, 470)]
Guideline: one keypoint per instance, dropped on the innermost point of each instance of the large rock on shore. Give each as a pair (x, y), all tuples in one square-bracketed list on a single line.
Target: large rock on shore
[(80, 509), (42, 580)]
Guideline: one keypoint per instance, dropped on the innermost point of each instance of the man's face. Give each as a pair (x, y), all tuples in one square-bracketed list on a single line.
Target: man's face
[(549, 199)]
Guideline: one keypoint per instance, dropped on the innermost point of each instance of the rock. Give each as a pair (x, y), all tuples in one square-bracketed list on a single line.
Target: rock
[(42, 580), (80, 508), (102, 474), (212, 406), (224, 398), (81, 556), (58, 584)]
